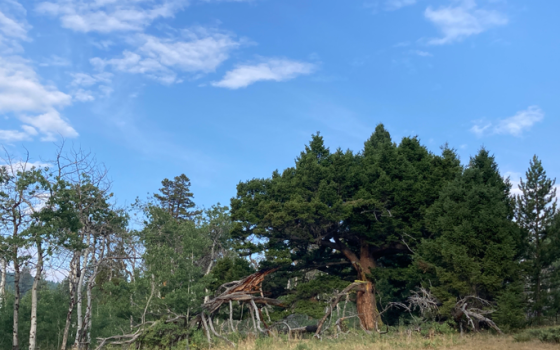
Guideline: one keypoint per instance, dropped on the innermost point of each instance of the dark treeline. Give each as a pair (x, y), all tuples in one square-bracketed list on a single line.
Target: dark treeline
[(405, 222)]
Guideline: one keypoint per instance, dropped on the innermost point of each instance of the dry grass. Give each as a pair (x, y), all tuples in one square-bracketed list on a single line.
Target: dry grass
[(393, 342)]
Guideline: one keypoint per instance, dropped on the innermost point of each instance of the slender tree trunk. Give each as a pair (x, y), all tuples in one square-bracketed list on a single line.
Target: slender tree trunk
[(33, 329), (85, 340), (15, 338), (74, 271), (4, 267), (209, 268), (231, 316), (79, 301), (538, 270)]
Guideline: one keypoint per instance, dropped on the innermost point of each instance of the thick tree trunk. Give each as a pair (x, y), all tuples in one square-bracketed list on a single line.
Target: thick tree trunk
[(15, 338), (33, 329), (365, 300)]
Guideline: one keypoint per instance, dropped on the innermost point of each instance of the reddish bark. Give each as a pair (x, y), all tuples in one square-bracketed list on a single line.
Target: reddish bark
[(365, 300)]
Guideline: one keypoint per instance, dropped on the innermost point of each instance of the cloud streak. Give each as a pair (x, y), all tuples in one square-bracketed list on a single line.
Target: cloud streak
[(35, 104), (200, 51), (13, 27), (515, 125), (389, 5), (269, 70), (462, 21), (105, 16), (392, 5)]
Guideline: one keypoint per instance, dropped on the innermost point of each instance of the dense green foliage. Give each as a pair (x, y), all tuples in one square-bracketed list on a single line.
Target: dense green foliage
[(394, 215), (535, 215), (472, 249)]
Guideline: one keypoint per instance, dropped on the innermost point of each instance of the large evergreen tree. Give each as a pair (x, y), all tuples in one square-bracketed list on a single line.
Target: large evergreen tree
[(340, 205), (474, 244), (535, 211)]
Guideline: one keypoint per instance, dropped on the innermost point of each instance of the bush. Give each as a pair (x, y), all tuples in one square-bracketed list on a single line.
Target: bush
[(511, 303), (549, 335)]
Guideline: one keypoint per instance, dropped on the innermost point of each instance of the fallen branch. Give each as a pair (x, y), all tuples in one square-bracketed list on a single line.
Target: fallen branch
[(357, 285), (474, 312), (119, 339)]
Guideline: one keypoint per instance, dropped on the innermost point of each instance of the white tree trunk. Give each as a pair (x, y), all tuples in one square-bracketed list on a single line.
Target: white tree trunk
[(15, 334), (209, 268), (85, 333), (79, 319), (74, 268), (4, 267), (33, 329)]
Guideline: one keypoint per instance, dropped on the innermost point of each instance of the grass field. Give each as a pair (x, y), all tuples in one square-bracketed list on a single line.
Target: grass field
[(395, 341)]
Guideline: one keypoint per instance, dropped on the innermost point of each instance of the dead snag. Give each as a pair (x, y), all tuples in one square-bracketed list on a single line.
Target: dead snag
[(244, 291), (475, 312), (356, 286)]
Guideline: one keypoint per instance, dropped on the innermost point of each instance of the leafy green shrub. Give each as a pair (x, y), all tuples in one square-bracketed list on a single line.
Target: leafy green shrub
[(510, 313), (549, 335)]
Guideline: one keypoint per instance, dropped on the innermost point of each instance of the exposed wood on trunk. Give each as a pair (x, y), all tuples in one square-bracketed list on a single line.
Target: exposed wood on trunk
[(241, 291), (365, 300)]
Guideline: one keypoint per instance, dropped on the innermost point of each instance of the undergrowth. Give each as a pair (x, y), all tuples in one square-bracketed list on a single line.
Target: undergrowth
[(547, 334)]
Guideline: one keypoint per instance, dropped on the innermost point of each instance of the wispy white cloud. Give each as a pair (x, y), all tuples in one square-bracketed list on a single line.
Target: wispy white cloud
[(106, 16), (421, 53), (54, 61), (388, 5), (102, 44), (227, 0), (515, 125), (13, 27), (23, 95), (273, 69), (83, 83), (521, 121), (402, 44), (83, 95), (86, 80), (17, 135), (21, 90), (392, 5), (462, 20), (198, 51)]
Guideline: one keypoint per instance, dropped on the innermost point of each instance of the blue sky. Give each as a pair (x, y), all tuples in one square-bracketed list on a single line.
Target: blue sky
[(225, 91)]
